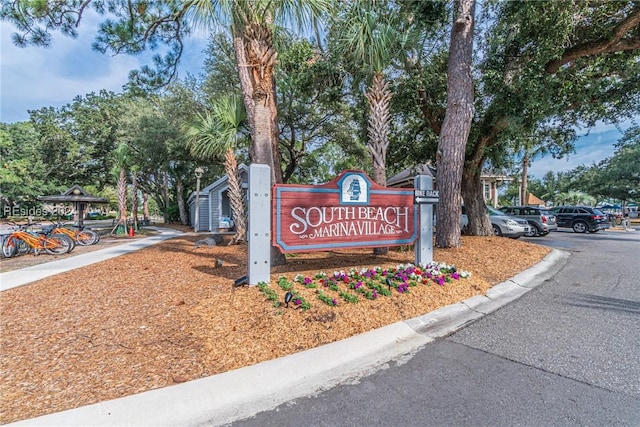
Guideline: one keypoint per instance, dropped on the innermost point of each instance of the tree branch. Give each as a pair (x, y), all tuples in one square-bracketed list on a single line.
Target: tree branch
[(602, 46)]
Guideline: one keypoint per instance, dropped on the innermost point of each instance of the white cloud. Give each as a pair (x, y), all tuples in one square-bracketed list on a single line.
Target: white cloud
[(35, 77)]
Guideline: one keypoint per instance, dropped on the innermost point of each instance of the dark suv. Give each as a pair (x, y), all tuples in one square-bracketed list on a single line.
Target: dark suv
[(540, 219), (580, 218)]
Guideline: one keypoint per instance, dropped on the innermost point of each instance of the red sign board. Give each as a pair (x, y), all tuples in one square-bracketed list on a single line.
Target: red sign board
[(348, 212)]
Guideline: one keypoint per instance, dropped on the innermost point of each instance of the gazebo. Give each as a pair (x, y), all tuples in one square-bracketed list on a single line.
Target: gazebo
[(78, 197)]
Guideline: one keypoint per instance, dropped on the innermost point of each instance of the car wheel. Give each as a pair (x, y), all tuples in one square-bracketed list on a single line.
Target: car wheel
[(497, 231), (533, 231), (580, 227)]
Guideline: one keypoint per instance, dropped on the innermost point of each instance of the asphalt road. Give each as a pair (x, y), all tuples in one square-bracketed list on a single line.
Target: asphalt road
[(565, 354)]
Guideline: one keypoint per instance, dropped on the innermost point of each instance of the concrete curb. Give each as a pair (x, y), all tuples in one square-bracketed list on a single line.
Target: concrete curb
[(449, 319), (24, 276), (241, 393)]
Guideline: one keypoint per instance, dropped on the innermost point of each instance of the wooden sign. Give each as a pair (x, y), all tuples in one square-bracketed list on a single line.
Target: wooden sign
[(350, 211)]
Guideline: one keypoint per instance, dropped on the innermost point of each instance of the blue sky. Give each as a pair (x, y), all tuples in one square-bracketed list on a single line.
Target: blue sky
[(32, 78)]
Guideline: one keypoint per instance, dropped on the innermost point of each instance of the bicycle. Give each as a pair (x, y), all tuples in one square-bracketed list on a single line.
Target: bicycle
[(23, 241), (83, 237)]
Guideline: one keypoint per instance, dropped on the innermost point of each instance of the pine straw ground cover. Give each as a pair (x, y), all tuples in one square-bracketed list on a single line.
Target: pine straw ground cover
[(165, 315)]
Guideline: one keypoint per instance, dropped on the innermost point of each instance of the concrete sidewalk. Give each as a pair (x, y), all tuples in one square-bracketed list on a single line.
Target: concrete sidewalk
[(241, 393), (15, 278)]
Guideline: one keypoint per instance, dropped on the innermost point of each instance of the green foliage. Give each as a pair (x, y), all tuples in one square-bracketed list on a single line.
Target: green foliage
[(348, 297), (621, 173), (297, 299), (316, 122), (326, 298), (284, 283), (22, 170), (219, 129), (173, 212), (269, 293)]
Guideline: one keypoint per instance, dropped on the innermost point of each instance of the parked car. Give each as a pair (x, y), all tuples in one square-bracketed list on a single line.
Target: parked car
[(503, 225), (540, 219), (581, 218)]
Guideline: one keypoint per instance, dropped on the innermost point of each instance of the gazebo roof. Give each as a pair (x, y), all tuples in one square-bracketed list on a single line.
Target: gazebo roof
[(74, 194)]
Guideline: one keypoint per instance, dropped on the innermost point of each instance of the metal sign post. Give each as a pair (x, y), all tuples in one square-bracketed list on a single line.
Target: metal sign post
[(259, 232), (426, 197)]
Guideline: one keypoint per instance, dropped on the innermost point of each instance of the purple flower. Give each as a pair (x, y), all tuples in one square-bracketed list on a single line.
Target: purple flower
[(334, 301), (297, 301)]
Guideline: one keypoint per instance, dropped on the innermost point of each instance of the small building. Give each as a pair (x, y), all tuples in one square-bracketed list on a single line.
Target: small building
[(214, 206), (490, 183)]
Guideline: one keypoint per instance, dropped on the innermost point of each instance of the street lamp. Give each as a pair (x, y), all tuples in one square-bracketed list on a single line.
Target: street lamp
[(196, 222)]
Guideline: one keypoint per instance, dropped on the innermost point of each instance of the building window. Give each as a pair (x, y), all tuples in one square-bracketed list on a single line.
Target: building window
[(487, 190)]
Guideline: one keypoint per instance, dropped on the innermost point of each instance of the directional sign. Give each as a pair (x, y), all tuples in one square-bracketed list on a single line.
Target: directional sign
[(426, 196)]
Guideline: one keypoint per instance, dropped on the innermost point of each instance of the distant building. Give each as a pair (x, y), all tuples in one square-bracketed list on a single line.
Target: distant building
[(490, 183), (215, 207)]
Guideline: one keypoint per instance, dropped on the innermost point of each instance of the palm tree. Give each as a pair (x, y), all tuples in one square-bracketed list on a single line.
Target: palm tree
[(135, 201), (252, 26), (120, 170), (214, 134), (368, 42)]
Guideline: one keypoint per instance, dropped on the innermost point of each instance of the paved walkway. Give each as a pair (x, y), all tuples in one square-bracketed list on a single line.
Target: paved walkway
[(241, 393)]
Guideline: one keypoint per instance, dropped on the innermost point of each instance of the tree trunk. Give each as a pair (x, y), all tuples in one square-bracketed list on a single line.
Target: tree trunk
[(145, 207), (165, 193), (456, 126), (236, 197), (479, 223), (256, 56), (122, 201), (134, 200), (256, 60), (523, 182), (379, 97), (184, 217)]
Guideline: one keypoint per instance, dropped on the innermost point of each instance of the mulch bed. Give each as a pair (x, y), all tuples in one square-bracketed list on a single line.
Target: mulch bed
[(166, 314)]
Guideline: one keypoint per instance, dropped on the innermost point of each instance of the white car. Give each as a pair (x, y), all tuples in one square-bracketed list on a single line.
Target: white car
[(503, 225)]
